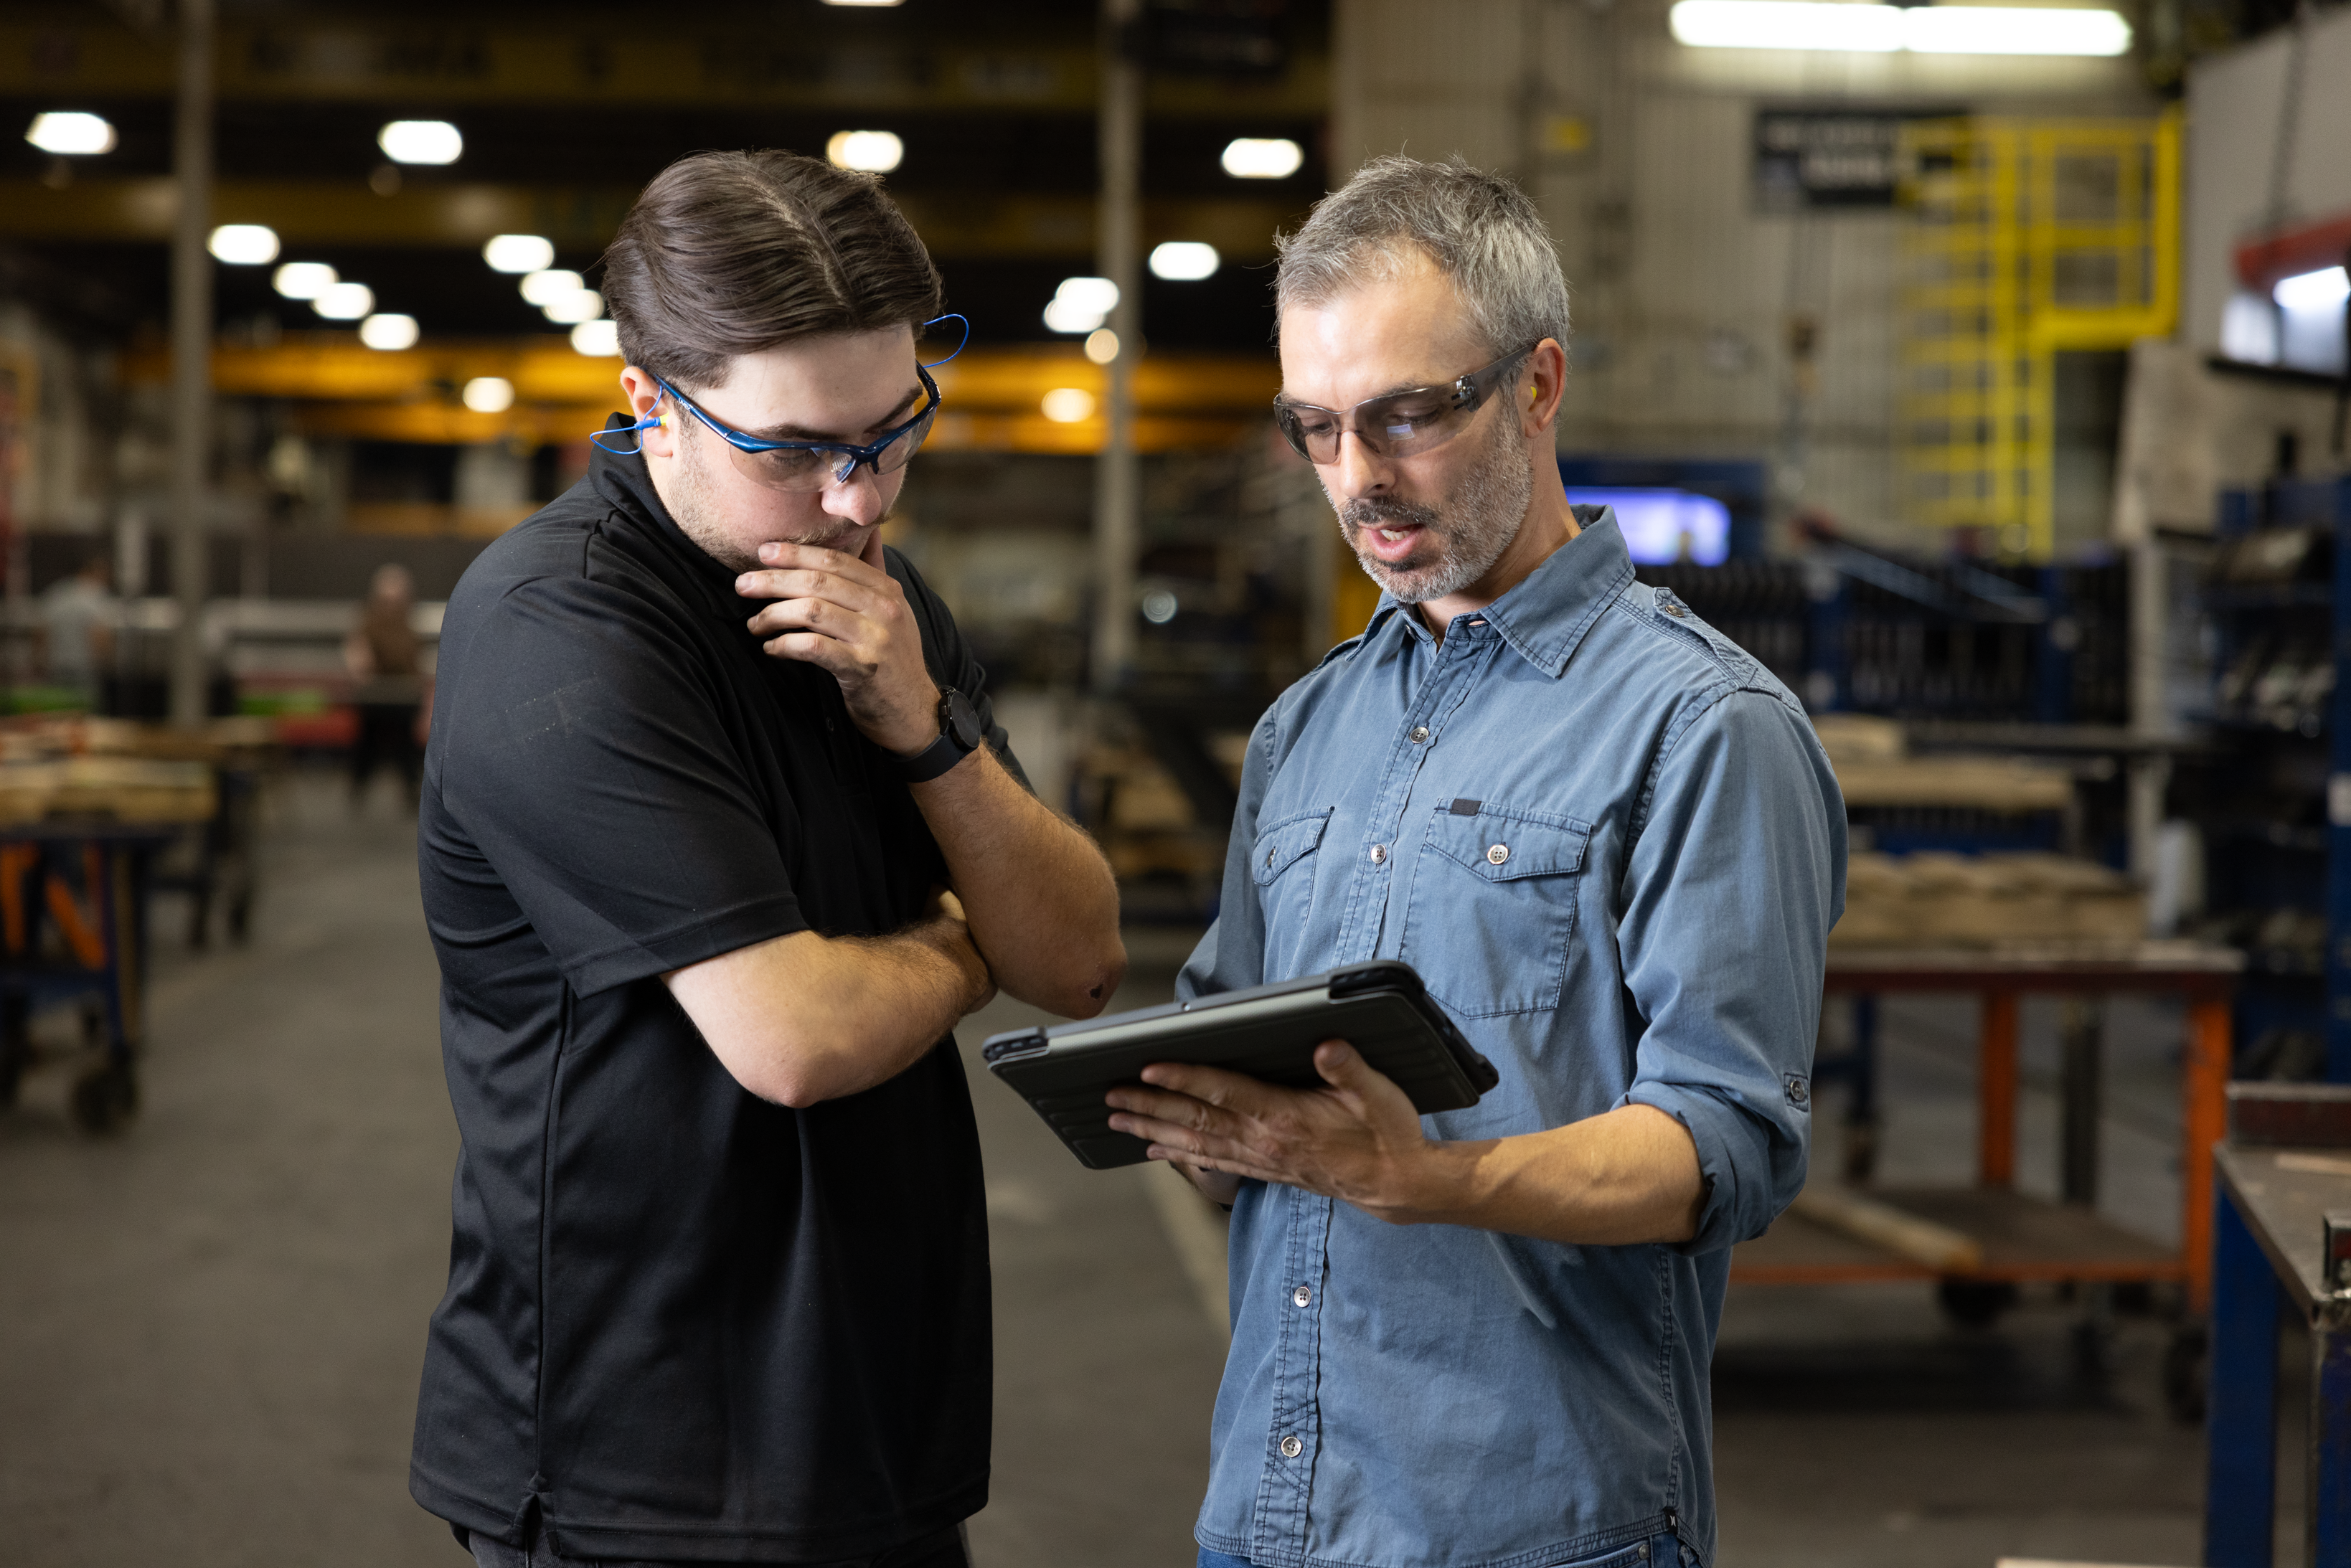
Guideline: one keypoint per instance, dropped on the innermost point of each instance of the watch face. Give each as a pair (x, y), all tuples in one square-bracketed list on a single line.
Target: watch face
[(962, 722)]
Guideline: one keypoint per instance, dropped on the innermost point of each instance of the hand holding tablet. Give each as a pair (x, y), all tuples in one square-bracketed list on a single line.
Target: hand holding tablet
[(1268, 1032)]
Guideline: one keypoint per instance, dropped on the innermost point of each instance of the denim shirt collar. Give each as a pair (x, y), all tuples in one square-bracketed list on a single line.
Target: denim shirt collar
[(1544, 617)]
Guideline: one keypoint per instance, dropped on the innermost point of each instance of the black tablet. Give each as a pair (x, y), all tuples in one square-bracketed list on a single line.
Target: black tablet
[(1266, 1032)]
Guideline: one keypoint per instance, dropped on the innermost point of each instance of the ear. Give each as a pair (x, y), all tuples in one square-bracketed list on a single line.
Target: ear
[(643, 393), (1541, 387)]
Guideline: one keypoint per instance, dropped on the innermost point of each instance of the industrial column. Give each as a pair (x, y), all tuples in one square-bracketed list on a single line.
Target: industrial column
[(191, 370), (1118, 248)]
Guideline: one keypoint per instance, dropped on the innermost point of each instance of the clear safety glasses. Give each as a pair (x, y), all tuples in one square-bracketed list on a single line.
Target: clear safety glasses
[(803, 468), (1397, 424)]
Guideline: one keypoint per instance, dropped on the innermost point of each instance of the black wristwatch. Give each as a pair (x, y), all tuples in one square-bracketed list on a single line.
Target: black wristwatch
[(960, 736)]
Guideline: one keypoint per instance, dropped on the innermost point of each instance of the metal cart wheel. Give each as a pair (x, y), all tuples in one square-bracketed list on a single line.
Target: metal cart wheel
[(105, 1099), (2186, 1363), (1974, 1303)]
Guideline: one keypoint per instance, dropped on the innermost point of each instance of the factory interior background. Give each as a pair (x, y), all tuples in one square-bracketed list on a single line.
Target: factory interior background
[(1981, 372)]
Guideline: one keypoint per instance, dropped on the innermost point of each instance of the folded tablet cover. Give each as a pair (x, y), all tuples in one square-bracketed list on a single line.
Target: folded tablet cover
[(1268, 1032)]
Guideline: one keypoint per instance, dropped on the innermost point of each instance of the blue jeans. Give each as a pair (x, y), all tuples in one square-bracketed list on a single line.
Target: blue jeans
[(1657, 1552)]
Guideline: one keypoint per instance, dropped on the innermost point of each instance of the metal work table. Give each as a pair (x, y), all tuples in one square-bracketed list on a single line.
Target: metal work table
[(2023, 1237), (2270, 1246)]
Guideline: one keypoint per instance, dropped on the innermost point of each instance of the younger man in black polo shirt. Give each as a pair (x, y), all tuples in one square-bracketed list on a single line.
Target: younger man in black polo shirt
[(703, 757)]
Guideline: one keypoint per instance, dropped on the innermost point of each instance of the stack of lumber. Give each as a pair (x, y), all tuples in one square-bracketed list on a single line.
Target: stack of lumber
[(129, 789), (1933, 900), (1874, 768)]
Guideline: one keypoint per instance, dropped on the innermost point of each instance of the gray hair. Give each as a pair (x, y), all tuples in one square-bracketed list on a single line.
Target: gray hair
[(1480, 230)]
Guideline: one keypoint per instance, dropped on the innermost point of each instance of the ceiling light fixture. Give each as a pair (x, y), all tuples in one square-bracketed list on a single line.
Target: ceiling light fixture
[(1067, 405), (2320, 290), (1886, 29), (546, 286), (1101, 345), (867, 152), (570, 310), (70, 133), (420, 141), (1262, 157), (518, 253), (304, 279), (244, 244), (597, 340), (1082, 304), (388, 331), (488, 395), (345, 301), (1185, 260)]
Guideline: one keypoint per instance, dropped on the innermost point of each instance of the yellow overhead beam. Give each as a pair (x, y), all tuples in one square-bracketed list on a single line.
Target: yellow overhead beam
[(993, 397), (652, 60), (583, 217)]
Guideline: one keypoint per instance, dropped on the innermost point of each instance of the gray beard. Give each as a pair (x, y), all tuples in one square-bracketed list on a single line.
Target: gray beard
[(1469, 532)]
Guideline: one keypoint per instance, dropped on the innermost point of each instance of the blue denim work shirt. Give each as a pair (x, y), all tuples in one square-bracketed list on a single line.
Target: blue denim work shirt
[(1612, 846)]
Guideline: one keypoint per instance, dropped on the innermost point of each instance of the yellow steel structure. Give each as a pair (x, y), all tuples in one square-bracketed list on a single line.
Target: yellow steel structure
[(2026, 238), (994, 398)]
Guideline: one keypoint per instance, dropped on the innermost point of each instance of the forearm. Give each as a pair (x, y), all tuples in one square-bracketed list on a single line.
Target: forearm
[(1626, 1177), (804, 1019), (1041, 900)]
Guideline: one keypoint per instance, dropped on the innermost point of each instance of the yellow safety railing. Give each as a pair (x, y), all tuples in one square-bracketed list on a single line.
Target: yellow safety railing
[(2026, 239)]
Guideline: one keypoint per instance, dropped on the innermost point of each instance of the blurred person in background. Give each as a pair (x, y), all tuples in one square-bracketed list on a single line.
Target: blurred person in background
[(78, 617), (720, 840), (1611, 846), (383, 655)]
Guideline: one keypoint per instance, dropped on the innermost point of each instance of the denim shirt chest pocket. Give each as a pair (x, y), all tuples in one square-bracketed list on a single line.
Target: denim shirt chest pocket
[(1281, 864), (1492, 911)]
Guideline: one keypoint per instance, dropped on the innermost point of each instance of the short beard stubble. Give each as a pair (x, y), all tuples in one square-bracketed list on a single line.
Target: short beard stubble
[(1469, 533), (695, 507)]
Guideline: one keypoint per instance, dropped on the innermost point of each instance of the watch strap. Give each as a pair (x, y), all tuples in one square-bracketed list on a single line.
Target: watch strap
[(933, 759)]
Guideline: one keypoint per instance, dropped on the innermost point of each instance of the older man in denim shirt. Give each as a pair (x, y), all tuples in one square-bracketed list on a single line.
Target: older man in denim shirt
[(1609, 842)]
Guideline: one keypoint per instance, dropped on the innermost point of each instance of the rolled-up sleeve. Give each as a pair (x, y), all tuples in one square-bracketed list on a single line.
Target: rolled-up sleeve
[(1735, 877)]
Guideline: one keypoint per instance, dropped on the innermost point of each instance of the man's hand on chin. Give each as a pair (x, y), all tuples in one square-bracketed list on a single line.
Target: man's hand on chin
[(846, 615), (1357, 1139)]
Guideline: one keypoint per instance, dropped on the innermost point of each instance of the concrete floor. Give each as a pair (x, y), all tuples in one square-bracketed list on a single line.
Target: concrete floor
[(210, 1327)]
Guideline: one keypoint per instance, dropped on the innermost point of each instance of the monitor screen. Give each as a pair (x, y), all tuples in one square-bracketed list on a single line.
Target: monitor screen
[(1662, 526)]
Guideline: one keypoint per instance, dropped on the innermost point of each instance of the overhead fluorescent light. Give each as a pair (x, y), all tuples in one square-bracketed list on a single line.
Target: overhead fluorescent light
[(244, 244), (1101, 345), (1068, 405), (2320, 290), (345, 302), (1082, 304), (388, 331), (68, 134), (597, 340), (569, 310), (1184, 260), (488, 395), (518, 253), (1866, 28), (420, 141), (546, 286), (304, 279), (868, 151), (1262, 157)]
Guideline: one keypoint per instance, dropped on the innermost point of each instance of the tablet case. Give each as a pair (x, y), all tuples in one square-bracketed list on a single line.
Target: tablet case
[(1267, 1031)]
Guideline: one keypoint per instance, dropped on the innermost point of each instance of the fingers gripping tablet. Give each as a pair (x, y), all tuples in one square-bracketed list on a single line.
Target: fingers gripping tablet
[(1268, 1032)]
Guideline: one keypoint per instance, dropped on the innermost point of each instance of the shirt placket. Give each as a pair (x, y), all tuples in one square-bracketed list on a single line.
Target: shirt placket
[(1279, 1533)]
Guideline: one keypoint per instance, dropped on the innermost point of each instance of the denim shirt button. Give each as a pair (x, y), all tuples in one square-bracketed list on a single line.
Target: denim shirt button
[(1419, 733), (1301, 1295), (1291, 1448), (1379, 855), (1496, 853)]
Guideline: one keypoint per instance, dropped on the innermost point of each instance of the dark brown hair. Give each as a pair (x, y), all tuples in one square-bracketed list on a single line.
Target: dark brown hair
[(735, 253)]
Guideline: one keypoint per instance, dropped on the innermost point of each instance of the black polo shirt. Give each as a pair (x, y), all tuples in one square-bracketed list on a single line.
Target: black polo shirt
[(682, 1322)]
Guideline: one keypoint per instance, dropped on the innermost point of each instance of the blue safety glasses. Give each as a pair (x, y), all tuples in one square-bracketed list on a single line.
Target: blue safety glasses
[(805, 466)]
